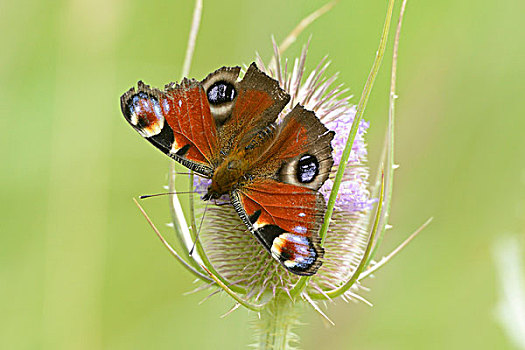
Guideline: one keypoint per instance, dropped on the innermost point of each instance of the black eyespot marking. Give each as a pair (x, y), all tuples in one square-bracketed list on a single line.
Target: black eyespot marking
[(221, 92), (307, 168)]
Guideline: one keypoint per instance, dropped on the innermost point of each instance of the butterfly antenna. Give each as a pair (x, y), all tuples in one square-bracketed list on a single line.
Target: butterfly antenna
[(163, 194), (199, 230)]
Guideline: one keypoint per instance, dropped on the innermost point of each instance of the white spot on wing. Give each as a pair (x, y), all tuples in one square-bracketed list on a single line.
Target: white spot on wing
[(158, 111), (277, 246), (166, 105), (134, 118), (259, 223), (300, 229), (303, 255), (290, 263)]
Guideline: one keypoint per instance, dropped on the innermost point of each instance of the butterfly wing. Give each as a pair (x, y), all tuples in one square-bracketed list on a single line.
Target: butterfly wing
[(281, 206), (258, 104), (182, 120), (198, 123), (285, 219)]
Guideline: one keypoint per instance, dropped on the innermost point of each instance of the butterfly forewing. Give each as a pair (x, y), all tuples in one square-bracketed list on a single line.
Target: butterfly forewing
[(177, 121)]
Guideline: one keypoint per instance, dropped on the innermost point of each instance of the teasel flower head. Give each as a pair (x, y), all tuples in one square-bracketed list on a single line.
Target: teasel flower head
[(240, 260)]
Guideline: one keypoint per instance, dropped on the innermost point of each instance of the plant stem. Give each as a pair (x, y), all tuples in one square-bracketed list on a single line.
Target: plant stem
[(274, 324)]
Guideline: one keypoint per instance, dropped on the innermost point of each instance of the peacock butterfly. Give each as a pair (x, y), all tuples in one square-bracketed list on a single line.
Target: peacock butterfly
[(226, 129)]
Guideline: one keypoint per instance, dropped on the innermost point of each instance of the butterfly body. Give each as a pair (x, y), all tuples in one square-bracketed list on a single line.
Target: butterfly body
[(233, 171), (228, 131)]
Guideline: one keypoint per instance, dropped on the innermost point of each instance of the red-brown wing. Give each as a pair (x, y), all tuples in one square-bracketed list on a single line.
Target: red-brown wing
[(285, 219), (178, 121), (301, 153), (191, 121), (258, 103)]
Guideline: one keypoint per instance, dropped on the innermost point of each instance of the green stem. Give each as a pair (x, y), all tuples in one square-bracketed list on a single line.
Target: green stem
[(274, 324), (301, 284), (357, 119), (390, 166)]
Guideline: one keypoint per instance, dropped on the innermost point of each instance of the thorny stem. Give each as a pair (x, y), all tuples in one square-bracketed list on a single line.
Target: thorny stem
[(390, 166), (384, 260), (192, 38), (179, 221)]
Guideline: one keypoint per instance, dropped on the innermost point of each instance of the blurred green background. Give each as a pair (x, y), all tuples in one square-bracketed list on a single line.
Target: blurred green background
[(81, 269)]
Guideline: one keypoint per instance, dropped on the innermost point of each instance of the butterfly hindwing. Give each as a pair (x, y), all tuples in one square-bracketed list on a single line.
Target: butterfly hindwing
[(301, 154)]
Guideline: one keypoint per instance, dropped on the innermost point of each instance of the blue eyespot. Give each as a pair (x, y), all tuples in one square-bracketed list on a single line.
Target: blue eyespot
[(221, 92), (307, 168)]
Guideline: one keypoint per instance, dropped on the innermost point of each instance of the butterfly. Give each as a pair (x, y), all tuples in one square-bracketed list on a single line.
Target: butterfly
[(227, 129)]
